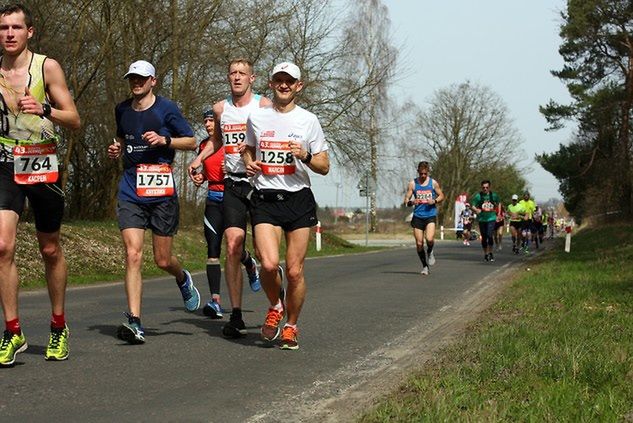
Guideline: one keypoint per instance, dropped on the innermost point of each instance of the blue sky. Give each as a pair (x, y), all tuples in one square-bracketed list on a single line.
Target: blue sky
[(508, 45)]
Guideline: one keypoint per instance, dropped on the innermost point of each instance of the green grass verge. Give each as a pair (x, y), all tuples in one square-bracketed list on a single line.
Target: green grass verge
[(557, 347), (94, 252)]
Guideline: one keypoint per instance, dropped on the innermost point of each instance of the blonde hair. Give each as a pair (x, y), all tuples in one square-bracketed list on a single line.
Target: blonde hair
[(243, 61)]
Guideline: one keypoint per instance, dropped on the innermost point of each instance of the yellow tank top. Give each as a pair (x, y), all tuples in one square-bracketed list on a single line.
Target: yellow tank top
[(21, 128)]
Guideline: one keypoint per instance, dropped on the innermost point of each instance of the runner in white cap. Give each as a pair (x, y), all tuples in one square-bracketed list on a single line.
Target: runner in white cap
[(284, 142)]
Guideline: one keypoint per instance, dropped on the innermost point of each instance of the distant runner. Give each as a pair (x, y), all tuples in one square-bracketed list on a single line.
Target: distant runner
[(484, 204), (426, 193)]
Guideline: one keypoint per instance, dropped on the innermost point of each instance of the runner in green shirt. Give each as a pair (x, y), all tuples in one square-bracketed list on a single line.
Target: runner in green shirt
[(484, 204)]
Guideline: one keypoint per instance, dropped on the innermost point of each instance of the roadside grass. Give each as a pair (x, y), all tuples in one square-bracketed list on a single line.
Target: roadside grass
[(94, 252), (557, 347)]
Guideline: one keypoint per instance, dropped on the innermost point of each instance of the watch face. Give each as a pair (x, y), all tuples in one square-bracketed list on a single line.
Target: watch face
[(46, 109)]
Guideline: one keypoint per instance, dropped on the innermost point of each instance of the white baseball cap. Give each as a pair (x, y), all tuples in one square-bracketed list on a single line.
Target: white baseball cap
[(515, 197), (142, 68), (289, 68)]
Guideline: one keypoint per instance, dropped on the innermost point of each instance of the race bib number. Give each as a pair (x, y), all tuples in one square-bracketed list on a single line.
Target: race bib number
[(276, 158), (423, 196), (154, 180), (233, 134), (487, 206), (35, 164)]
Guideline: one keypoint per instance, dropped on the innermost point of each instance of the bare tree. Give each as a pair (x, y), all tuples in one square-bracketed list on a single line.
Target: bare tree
[(367, 73), (464, 132)]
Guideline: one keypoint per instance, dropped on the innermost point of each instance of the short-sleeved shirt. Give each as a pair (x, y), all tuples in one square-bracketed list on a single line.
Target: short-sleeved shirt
[(516, 212), (270, 132), (529, 206), (164, 118), (487, 202)]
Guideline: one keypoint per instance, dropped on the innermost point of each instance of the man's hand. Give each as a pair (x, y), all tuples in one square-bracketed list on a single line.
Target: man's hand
[(153, 139), (28, 104), (253, 167), (114, 149)]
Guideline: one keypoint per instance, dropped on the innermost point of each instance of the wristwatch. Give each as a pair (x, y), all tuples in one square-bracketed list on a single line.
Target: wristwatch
[(307, 159), (46, 110)]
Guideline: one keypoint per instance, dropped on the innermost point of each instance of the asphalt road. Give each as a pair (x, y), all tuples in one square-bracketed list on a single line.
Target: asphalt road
[(360, 310)]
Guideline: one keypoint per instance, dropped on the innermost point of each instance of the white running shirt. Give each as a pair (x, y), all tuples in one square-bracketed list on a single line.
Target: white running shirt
[(233, 125), (270, 131)]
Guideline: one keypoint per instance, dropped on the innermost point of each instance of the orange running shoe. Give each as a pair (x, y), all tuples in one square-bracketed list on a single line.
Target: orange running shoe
[(289, 338), (270, 329)]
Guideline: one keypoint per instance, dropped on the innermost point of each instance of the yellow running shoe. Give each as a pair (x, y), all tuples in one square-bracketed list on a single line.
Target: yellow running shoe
[(57, 349), (10, 346)]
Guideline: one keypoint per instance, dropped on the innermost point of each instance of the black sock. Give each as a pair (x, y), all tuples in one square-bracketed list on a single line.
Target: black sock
[(214, 274), (236, 313), (429, 247), (422, 256)]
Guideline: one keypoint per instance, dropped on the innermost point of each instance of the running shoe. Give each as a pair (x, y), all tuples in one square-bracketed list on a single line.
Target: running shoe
[(425, 270), (486, 257), (10, 346), (234, 328), (492, 258), (213, 310), (190, 294), (253, 276), (431, 258), (131, 332), (468, 243), (270, 329), (57, 348), (289, 338)]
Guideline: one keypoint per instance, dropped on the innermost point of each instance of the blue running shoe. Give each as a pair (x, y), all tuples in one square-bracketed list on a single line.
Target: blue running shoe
[(213, 310), (253, 276), (131, 332), (190, 294)]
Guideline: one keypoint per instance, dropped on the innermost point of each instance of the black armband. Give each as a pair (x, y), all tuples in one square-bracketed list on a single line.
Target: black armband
[(167, 141)]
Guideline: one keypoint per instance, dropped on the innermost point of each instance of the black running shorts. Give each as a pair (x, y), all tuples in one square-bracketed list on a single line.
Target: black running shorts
[(421, 223), (236, 203), (162, 217), (289, 210), (46, 200)]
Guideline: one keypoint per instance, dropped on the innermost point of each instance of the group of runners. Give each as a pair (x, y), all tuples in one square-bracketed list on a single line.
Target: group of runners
[(527, 222), (255, 161)]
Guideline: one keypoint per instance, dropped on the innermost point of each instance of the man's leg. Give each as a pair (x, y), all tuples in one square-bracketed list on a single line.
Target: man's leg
[(8, 269), (133, 244), (296, 248), (429, 235), (235, 238), (165, 260), (418, 235), (56, 270), (268, 238)]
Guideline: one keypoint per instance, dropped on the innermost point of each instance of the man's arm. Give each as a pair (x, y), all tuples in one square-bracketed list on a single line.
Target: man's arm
[(409, 193), (438, 190), (63, 110)]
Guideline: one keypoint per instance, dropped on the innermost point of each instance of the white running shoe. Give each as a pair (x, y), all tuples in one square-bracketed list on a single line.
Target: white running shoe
[(425, 270), (431, 259)]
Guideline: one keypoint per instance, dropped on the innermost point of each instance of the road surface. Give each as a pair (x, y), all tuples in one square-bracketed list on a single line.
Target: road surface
[(368, 319)]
